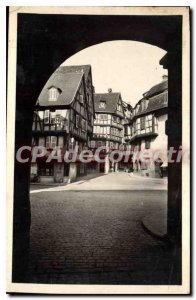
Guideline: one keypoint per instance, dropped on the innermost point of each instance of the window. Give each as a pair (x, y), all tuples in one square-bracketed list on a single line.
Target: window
[(81, 99), (99, 143), (134, 127), (53, 94), (82, 110), (165, 101), (83, 124), (61, 141), (144, 104), (58, 120), (42, 141), (102, 104), (48, 142), (92, 144), (142, 123), (119, 107), (77, 121), (103, 117), (114, 119), (147, 144), (126, 130), (71, 114), (52, 117), (51, 142), (47, 117), (45, 169)]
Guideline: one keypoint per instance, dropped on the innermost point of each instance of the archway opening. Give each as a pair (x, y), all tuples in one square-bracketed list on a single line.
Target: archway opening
[(29, 86), (132, 70)]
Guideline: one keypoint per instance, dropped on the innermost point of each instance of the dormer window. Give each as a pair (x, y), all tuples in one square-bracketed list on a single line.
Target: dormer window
[(137, 108), (102, 104), (119, 107), (144, 104), (53, 94), (165, 97)]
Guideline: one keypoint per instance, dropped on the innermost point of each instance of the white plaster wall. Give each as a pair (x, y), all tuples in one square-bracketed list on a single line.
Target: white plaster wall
[(160, 142)]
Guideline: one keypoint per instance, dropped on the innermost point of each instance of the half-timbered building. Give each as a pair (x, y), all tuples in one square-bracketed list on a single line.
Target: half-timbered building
[(108, 125), (66, 111), (146, 130)]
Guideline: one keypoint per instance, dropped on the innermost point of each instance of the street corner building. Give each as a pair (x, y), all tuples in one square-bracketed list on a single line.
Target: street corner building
[(145, 129), (63, 118)]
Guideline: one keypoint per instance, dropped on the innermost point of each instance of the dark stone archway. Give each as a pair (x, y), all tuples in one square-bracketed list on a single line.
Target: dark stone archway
[(44, 42)]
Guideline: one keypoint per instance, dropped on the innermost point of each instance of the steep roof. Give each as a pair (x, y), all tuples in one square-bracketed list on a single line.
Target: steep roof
[(155, 97), (111, 100), (155, 103), (157, 89), (67, 83), (76, 68)]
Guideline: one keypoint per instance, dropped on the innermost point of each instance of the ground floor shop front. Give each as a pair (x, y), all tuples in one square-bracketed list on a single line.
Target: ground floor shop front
[(43, 172)]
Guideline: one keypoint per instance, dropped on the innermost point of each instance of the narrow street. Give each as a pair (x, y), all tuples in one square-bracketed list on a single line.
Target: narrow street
[(90, 232)]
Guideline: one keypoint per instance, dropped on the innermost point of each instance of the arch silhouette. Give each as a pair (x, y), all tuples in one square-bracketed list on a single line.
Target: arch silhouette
[(46, 41)]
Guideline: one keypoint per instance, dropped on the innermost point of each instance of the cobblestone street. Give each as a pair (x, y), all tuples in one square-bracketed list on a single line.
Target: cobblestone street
[(83, 236)]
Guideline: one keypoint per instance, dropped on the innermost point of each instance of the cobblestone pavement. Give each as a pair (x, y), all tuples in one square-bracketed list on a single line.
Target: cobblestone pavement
[(96, 237)]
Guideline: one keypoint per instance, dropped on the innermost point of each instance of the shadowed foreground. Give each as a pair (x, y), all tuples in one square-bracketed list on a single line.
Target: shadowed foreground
[(96, 237)]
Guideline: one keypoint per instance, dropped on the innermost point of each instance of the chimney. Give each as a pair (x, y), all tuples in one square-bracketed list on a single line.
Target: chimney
[(109, 90), (165, 77)]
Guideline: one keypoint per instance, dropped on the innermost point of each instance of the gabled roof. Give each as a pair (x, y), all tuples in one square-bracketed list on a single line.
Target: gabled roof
[(76, 68), (67, 83), (111, 100)]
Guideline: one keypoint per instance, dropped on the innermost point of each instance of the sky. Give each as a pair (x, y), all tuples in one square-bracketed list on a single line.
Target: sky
[(128, 67)]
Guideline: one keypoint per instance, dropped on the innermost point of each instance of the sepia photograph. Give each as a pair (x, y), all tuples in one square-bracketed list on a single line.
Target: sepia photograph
[(99, 156)]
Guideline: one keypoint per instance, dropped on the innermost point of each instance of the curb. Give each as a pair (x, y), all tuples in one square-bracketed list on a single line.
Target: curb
[(149, 223), (153, 234)]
